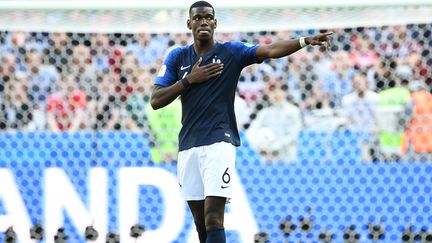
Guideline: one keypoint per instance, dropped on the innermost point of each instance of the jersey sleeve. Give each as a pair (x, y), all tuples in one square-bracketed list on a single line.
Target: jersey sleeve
[(244, 52), (167, 74)]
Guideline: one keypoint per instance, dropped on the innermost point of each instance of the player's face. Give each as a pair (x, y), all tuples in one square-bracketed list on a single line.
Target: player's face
[(202, 22), (360, 82)]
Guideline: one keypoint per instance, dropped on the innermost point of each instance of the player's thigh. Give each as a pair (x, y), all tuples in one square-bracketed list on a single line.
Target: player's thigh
[(189, 175), (218, 169)]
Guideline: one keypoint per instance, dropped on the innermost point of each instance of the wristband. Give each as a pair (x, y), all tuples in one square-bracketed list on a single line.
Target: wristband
[(302, 42), (185, 83)]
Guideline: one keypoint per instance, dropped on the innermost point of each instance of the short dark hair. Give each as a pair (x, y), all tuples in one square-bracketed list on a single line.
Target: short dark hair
[(200, 4)]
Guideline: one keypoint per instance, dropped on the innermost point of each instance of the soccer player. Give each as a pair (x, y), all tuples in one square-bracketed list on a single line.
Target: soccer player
[(205, 75)]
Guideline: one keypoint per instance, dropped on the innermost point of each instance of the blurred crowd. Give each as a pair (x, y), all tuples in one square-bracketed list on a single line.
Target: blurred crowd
[(366, 82)]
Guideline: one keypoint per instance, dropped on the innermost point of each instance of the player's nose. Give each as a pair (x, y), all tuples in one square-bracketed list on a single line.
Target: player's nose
[(203, 22)]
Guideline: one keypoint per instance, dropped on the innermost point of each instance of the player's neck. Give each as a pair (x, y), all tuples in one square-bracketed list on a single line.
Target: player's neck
[(203, 46)]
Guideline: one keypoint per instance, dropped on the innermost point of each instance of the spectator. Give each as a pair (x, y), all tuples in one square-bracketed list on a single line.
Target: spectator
[(251, 82), (100, 51), (58, 51), (299, 85), (165, 124), (321, 61), (84, 71), (392, 102), (417, 142), (129, 73), (243, 112), (396, 41), (382, 73), (363, 56), (161, 126), (360, 109), (144, 50), (274, 132), (419, 64), (317, 99), (66, 108), (8, 64), (105, 109), (17, 44), (337, 79), (17, 110), (8, 67), (138, 100), (42, 81)]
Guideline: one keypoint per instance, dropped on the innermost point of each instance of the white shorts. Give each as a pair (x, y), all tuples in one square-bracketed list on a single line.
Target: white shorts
[(206, 171)]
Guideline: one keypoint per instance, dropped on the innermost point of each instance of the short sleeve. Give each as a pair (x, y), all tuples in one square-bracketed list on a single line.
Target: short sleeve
[(167, 74), (245, 53)]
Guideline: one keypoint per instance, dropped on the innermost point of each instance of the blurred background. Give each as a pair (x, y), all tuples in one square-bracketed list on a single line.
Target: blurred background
[(336, 143)]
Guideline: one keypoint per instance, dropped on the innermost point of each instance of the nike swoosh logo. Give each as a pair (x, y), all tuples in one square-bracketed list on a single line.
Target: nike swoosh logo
[(183, 68), (223, 187)]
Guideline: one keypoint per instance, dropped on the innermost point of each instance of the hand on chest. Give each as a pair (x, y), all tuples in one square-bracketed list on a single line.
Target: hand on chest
[(188, 64)]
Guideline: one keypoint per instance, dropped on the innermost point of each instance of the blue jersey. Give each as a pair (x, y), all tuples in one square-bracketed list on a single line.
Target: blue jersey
[(208, 108)]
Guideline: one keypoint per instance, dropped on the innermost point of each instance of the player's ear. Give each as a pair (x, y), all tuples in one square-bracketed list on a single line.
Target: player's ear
[(188, 24), (215, 21)]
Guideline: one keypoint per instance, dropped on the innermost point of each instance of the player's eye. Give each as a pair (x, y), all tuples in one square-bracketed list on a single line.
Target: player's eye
[(198, 18)]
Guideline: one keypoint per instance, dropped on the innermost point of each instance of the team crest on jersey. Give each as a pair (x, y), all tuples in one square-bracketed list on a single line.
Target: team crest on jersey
[(216, 60), (162, 71)]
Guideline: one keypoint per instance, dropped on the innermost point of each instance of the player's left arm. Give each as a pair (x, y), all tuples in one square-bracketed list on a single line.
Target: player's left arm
[(287, 47)]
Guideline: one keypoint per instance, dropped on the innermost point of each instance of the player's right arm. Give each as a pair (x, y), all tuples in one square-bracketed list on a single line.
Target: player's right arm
[(284, 48), (164, 92), (163, 96)]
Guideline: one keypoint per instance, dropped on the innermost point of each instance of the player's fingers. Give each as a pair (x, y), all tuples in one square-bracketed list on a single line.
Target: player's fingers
[(326, 46), (324, 36), (214, 74), (316, 42), (198, 62), (215, 70), (213, 66)]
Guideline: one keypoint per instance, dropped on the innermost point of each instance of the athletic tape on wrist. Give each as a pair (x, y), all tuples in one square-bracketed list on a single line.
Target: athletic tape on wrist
[(302, 42)]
